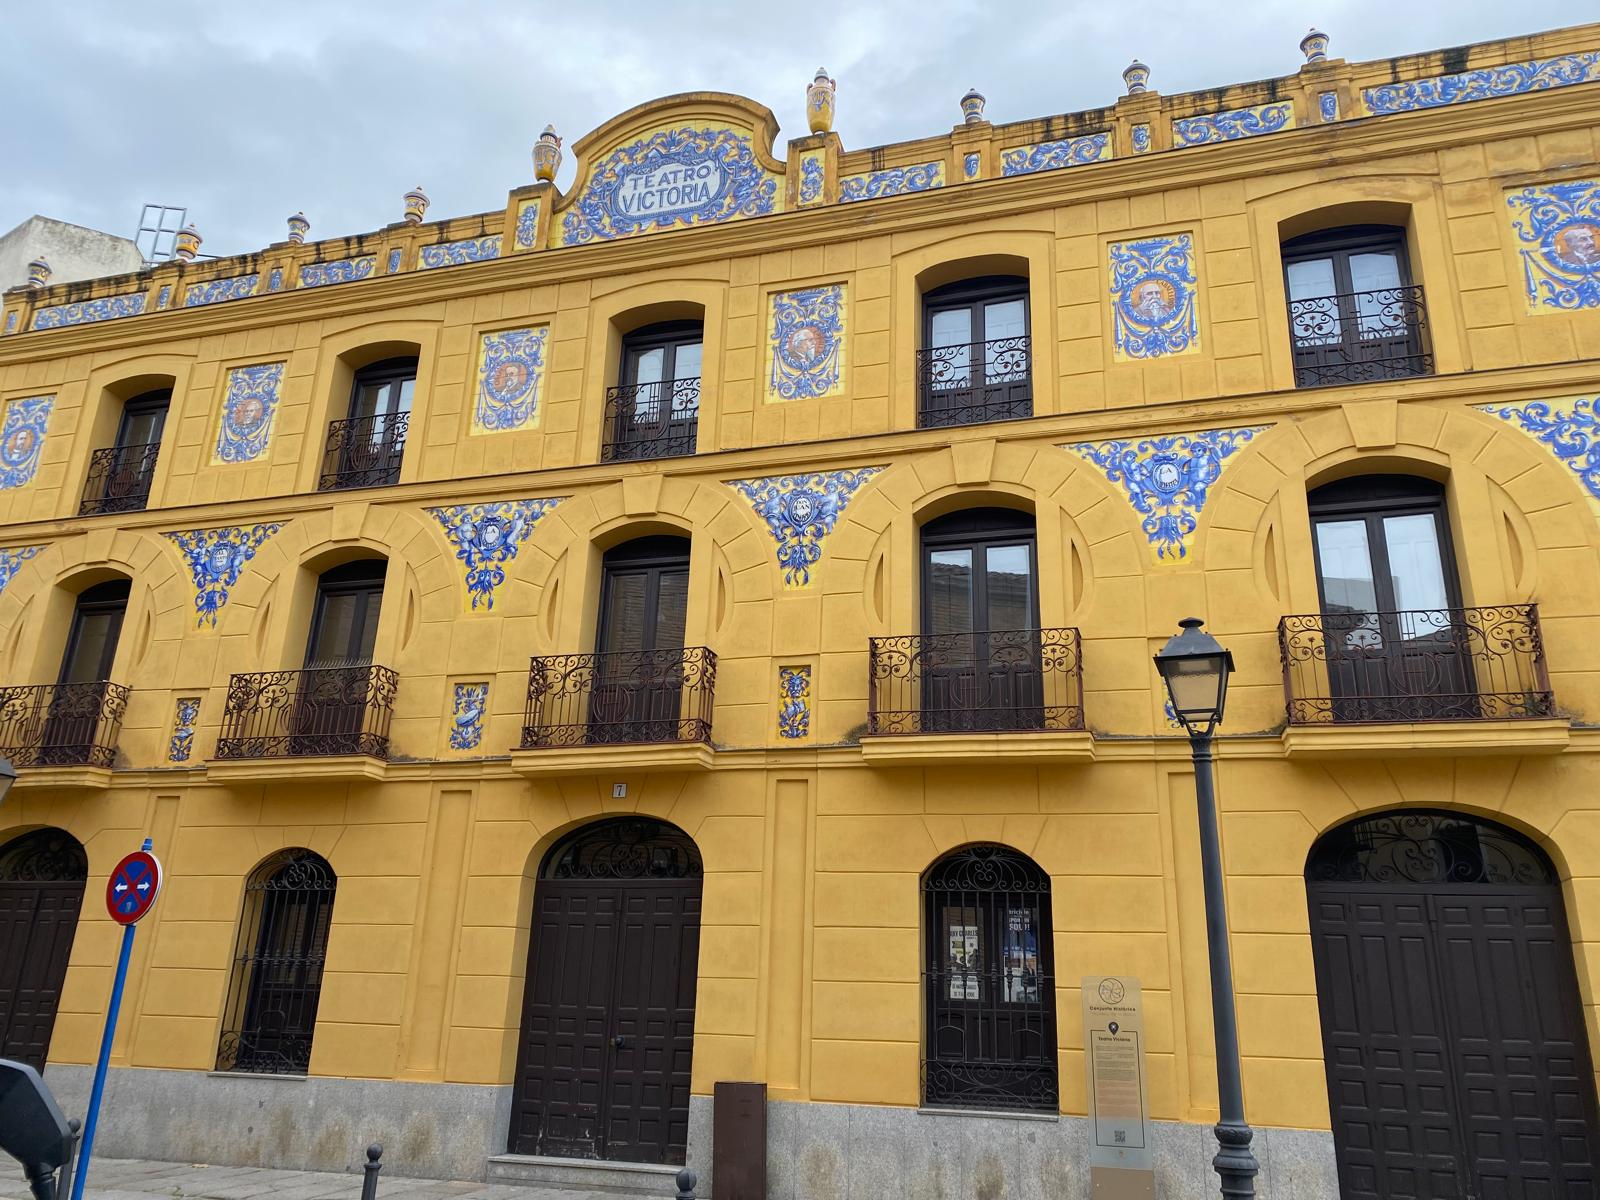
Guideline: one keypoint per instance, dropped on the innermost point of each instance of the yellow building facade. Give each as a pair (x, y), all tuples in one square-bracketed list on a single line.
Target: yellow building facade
[(757, 459)]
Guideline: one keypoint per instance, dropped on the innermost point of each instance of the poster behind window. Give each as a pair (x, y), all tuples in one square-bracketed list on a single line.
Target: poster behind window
[(964, 960), (1022, 957)]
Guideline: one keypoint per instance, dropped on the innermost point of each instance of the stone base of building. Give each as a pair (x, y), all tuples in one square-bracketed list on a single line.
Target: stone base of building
[(814, 1151)]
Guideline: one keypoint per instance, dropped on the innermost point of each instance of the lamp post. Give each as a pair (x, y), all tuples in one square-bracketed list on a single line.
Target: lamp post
[(1195, 668)]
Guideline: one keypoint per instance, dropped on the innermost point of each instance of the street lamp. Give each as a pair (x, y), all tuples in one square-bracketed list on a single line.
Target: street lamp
[(8, 776), (1195, 668)]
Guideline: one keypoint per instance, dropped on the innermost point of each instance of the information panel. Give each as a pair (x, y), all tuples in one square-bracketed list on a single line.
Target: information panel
[(1121, 1161)]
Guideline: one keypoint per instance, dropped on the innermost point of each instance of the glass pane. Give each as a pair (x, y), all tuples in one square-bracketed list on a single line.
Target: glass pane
[(94, 647), (1416, 566), (951, 343), (625, 625), (337, 612), (645, 366), (1020, 956), (1009, 577), (952, 327), (672, 604), (1375, 278), (949, 598), (366, 634), (1345, 564), (1311, 278), (964, 953), (401, 403), (1004, 323), (1005, 319), (142, 426), (686, 364), (1372, 271)]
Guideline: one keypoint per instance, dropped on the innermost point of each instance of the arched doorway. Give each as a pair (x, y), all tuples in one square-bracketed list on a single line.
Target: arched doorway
[(41, 891), (1453, 1034), (608, 1006)]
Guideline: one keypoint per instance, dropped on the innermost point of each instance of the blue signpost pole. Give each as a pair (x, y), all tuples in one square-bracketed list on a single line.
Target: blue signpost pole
[(97, 1092)]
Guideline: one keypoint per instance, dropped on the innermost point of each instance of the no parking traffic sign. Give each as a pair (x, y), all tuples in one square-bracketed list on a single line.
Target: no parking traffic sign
[(133, 887)]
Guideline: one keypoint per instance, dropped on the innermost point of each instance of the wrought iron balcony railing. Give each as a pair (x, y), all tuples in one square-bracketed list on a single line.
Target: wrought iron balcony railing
[(1002, 681), (364, 452), (1359, 337), (607, 699), (973, 383), (651, 420), (61, 724), (315, 711), (1439, 664), (119, 479)]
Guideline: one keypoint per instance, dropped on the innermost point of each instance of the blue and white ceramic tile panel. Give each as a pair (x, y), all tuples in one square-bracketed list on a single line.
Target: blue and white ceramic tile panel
[(1486, 83), (972, 165), (181, 745), (672, 178), (510, 370), (812, 175), (486, 536), (275, 280), (86, 312), (1569, 429), (164, 295), (527, 224), (344, 270), (1234, 124), (895, 181), (1328, 106), (807, 343), (1153, 297), (794, 702), (214, 558), (800, 511), (1051, 156), (453, 254), (11, 560), (248, 408), (216, 291), (22, 439), (1167, 479), (1141, 139), (1558, 226), (11, 321), (394, 261), (466, 718)]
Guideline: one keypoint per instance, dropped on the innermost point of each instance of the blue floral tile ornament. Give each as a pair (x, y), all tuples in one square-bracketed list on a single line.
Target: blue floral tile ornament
[(794, 702), (510, 370), (11, 560), (11, 321), (216, 291), (800, 511), (1558, 225), (527, 224), (22, 439), (1167, 479), (344, 270), (670, 179), (453, 254), (1052, 156), (163, 296), (1328, 106), (1153, 297), (1569, 429), (275, 280), (394, 261), (181, 744), (896, 181), (248, 409), (87, 312), (1234, 124), (971, 165), (806, 336), (214, 558), (486, 536), (812, 174), (1141, 139), (1512, 79), (466, 721)]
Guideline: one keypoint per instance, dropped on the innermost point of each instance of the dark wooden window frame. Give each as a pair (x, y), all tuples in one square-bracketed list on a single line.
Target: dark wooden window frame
[(977, 402), (120, 475), (673, 433), (365, 449), (652, 557), (1389, 496), (110, 597), (975, 528), (364, 577)]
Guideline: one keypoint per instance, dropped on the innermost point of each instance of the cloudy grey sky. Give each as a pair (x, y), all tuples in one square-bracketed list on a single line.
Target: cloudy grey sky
[(245, 110)]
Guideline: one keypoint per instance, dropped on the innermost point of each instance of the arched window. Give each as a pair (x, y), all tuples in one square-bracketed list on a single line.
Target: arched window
[(120, 475), (988, 982), (277, 965), (654, 411), (41, 891), (365, 448), (84, 710), (976, 361)]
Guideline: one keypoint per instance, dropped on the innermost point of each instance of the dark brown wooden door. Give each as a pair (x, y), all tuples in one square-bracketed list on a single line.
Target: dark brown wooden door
[(1457, 1059), (603, 1070), (41, 893)]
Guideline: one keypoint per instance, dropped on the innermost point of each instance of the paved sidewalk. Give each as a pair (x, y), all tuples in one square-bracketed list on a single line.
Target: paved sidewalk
[(140, 1179)]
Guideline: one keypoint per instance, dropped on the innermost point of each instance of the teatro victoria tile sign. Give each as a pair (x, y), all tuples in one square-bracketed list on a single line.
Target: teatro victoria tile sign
[(642, 175)]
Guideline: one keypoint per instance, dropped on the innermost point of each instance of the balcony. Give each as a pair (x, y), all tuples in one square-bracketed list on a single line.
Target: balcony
[(1461, 680), (957, 697), (320, 722), (1359, 337), (651, 420), (69, 726), (648, 710), (975, 383), (119, 479), (364, 452)]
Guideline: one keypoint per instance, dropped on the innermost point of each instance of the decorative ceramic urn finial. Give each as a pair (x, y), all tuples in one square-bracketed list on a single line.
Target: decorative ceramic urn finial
[(1137, 76), (416, 204), (1314, 46), (972, 106), (547, 155), (819, 102), (298, 228), (187, 244), (38, 272)]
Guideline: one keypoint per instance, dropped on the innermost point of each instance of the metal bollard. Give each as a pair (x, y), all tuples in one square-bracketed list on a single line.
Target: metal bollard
[(686, 1181), (369, 1185)]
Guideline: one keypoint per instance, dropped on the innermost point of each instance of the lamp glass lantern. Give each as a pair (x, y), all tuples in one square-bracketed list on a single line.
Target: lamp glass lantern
[(1195, 668)]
